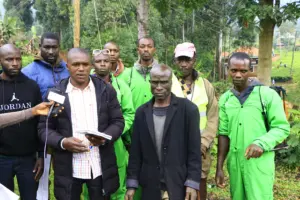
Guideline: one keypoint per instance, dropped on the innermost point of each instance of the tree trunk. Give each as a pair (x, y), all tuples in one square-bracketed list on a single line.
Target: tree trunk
[(265, 51), (142, 18), (265, 45), (76, 23), (219, 55)]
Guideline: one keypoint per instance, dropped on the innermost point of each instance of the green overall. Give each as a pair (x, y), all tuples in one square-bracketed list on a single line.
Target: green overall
[(244, 125)]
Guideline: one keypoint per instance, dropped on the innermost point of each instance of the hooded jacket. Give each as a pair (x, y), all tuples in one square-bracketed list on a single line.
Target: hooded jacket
[(20, 139), (45, 74)]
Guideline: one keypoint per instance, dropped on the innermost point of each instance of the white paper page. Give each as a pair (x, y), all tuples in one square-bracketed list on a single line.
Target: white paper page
[(42, 193), (6, 194)]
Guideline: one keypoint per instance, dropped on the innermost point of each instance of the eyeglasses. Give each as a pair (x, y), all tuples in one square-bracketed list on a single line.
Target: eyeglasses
[(101, 51)]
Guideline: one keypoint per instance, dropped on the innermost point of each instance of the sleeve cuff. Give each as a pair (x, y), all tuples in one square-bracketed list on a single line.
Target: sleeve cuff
[(260, 144), (192, 184), (61, 144), (132, 183)]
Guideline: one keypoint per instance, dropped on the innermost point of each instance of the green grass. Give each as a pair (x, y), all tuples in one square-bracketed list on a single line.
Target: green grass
[(286, 187), (293, 88)]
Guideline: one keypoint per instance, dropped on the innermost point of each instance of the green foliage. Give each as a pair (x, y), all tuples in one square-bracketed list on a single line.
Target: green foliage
[(8, 28), (54, 16), (291, 156), (221, 87), (20, 9), (281, 79)]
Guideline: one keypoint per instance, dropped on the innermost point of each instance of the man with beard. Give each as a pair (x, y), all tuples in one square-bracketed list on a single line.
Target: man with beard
[(243, 136), (138, 76), (19, 143), (47, 69), (165, 157)]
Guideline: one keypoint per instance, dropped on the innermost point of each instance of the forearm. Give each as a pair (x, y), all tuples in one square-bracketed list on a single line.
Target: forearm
[(223, 148), (8, 119)]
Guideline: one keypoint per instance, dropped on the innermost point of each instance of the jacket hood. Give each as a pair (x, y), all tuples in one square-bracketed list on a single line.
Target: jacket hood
[(58, 66), (120, 68), (144, 70), (253, 81)]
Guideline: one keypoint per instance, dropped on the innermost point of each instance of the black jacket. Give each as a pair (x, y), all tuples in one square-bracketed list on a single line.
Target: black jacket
[(110, 121), (181, 157), (20, 94)]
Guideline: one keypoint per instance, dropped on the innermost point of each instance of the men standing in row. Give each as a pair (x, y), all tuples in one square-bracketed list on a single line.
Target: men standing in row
[(92, 105), (103, 69), (165, 157), (243, 136), (189, 84), (47, 69), (19, 143)]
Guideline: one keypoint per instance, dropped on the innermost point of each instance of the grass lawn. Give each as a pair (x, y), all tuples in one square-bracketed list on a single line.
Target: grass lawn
[(293, 88), (286, 187)]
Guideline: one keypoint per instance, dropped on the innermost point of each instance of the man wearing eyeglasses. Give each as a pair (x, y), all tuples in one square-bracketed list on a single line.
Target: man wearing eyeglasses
[(189, 84), (165, 158)]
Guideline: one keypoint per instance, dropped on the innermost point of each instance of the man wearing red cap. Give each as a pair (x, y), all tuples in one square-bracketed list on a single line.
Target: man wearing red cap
[(189, 84)]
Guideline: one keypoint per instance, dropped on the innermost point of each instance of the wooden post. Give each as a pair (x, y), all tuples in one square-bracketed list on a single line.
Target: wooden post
[(76, 23)]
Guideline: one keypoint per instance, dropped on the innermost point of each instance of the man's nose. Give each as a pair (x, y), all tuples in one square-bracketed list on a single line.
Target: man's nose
[(51, 50), (15, 62)]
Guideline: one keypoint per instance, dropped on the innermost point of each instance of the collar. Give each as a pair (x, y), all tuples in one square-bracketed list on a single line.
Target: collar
[(142, 69), (120, 68), (71, 87)]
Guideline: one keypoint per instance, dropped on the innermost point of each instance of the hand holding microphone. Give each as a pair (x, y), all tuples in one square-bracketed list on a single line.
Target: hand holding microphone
[(44, 108)]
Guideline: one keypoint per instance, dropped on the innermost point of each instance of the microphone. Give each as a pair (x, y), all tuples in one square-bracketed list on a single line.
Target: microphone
[(56, 96)]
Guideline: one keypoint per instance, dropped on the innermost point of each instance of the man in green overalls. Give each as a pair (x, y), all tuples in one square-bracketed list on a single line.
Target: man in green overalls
[(243, 137), (102, 65)]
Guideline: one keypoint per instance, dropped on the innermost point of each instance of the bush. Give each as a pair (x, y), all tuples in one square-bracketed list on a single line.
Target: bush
[(282, 79), (221, 87), (291, 156)]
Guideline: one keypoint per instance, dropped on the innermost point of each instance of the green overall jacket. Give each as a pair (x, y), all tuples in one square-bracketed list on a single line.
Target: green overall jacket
[(244, 125)]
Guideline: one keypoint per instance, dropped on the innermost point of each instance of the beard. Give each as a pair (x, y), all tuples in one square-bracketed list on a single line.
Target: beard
[(11, 73)]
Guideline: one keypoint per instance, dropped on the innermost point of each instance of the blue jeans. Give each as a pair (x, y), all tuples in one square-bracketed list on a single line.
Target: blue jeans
[(22, 167)]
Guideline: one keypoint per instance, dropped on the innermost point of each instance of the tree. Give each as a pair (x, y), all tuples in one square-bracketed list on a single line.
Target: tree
[(21, 9), (269, 14), (55, 16)]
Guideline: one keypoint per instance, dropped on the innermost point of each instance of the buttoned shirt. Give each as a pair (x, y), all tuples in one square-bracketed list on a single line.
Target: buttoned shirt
[(84, 116)]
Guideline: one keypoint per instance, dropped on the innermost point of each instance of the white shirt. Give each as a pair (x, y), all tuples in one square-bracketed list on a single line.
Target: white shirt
[(84, 116)]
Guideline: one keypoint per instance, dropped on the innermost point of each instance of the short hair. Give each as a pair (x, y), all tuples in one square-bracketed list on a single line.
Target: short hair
[(50, 35), (161, 70), (112, 42), (240, 56), (145, 37), (78, 50)]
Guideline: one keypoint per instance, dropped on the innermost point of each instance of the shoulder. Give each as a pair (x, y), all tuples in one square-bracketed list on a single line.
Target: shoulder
[(224, 97), (29, 68), (189, 106)]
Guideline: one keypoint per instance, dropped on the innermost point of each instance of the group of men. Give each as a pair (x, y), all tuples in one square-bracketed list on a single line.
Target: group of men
[(162, 124)]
